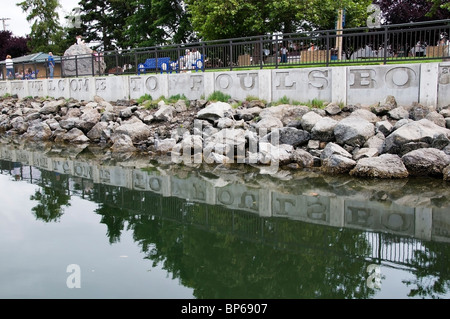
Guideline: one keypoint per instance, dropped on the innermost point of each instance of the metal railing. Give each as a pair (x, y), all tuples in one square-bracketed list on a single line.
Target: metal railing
[(423, 41)]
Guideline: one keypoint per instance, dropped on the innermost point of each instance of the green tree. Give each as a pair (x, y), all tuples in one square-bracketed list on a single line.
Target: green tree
[(221, 19), (103, 21), (45, 30), (322, 14), (158, 22)]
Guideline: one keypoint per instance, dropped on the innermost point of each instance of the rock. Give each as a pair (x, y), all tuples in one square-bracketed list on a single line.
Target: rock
[(354, 131), (426, 162), (302, 158), (38, 131), (85, 64), (422, 131), (165, 146), (268, 124), (164, 113), (287, 135), (333, 109), (383, 166), (436, 118), (337, 164), (398, 113), (52, 106), (75, 136), (214, 111), (309, 120), (95, 133), (136, 130), (366, 115), (323, 130)]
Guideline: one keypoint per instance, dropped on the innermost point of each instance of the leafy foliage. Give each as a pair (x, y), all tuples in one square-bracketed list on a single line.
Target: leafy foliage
[(14, 46), (404, 11), (45, 30)]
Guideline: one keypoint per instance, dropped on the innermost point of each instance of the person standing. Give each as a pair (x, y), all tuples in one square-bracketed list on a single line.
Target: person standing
[(283, 55), (51, 64), (9, 67)]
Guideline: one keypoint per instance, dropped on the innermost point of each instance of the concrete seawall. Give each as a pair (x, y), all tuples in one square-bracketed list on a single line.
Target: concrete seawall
[(425, 83)]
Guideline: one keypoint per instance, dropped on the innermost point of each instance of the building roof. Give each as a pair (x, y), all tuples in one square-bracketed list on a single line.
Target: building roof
[(40, 57)]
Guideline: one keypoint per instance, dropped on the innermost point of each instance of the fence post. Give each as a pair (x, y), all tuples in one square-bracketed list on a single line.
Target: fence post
[(156, 60), (117, 62), (203, 54), (231, 55), (385, 44), (276, 51), (328, 55), (93, 64), (76, 65), (261, 53)]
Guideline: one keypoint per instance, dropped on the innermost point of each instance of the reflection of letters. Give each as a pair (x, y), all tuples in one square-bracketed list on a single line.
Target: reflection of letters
[(282, 83), (249, 201), (105, 176), (360, 216), (199, 192), (225, 197), (139, 181), (317, 211), (396, 221), (83, 170), (282, 206), (155, 184), (363, 79)]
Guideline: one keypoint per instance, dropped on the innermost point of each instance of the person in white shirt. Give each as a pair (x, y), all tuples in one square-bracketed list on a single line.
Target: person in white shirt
[(9, 67)]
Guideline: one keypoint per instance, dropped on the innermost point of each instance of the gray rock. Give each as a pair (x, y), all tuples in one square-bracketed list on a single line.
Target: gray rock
[(84, 64), (383, 166), (323, 130), (353, 131), (422, 131), (426, 162), (309, 120), (214, 111)]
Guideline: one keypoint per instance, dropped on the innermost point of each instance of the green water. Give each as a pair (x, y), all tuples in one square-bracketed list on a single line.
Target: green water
[(136, 229)]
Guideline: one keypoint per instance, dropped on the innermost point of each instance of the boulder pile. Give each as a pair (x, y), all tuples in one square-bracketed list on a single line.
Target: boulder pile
[(379, 141)]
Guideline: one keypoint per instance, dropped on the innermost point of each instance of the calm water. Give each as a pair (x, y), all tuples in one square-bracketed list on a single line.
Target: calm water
[(78, 224)]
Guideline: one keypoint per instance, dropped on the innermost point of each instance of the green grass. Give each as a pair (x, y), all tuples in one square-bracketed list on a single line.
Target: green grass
[(218, 96)]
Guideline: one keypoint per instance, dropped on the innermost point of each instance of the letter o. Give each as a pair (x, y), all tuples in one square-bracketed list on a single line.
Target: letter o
[(151, 83), (226, 199), (155, 184), (400, 78), (72, 87), (221, 78)]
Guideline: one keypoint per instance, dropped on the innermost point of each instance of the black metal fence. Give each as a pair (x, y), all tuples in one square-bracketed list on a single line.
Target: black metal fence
[(424, 42)]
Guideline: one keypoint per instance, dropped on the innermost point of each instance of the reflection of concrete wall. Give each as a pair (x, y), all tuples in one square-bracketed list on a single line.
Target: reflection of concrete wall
[(426, 83), (359, 213)]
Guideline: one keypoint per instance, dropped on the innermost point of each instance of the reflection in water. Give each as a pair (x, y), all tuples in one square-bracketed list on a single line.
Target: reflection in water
[(239, 234)]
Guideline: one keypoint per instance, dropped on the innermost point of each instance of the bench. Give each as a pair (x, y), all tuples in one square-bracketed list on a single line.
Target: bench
[(150, 64)]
